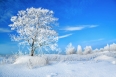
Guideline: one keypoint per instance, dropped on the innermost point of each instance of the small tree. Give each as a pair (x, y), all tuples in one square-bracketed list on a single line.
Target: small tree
[(101, 49), (87, 50), (113, 47), (107, 48), (34, 29), (70, 49), (96, 50), (79, 50)]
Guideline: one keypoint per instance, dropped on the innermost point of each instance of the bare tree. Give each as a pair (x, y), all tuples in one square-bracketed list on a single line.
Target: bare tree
[(34, 27)]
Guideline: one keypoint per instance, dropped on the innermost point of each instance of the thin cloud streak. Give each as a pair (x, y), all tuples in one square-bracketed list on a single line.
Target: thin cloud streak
[(94, 40), (93, 26), (4, 30), (73, 28), (67, 35), (76, 28)]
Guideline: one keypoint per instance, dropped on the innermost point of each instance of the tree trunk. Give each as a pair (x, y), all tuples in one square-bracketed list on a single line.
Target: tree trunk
[(32, 52), (32, 48)]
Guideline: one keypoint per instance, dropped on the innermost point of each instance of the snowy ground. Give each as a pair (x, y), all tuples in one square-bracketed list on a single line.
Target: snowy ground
[(93, 65)]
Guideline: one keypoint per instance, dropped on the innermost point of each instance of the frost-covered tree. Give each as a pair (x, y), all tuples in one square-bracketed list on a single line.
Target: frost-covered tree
[(79, 50), (107, 48), (113, 47), (70, 49), (34, 27), (87, 50), (96, 50), (101, 49)]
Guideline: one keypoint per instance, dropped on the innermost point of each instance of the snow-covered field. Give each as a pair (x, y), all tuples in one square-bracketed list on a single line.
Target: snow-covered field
[(99, 64)]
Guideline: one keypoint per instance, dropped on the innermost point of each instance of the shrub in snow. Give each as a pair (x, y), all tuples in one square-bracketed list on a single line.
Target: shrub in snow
[(107, 48), (87, 50), (31, 61), (7, 59), (70, 49), (96, 50), (34, 27), (101, 50), (113, 47), (79, 50)]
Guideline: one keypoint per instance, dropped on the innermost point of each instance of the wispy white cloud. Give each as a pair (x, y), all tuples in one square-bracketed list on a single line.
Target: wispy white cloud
[(73, 28), (4, 30), (112, 40), (67, 35), (94, 40), (92, 26)]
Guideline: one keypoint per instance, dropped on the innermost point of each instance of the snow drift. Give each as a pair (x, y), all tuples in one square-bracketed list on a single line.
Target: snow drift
[(105, 58), (31, 62)]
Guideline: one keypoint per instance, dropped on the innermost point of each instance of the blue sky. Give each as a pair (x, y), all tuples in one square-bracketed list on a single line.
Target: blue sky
[(82, 22)]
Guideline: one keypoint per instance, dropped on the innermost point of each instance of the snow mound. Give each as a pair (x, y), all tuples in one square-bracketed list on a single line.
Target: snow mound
[(113, 62), (31, 61), (104, 58), (52, 75)]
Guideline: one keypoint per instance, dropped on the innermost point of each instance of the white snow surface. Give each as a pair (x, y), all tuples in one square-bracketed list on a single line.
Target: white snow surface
[(101, 64), (104, 58)]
